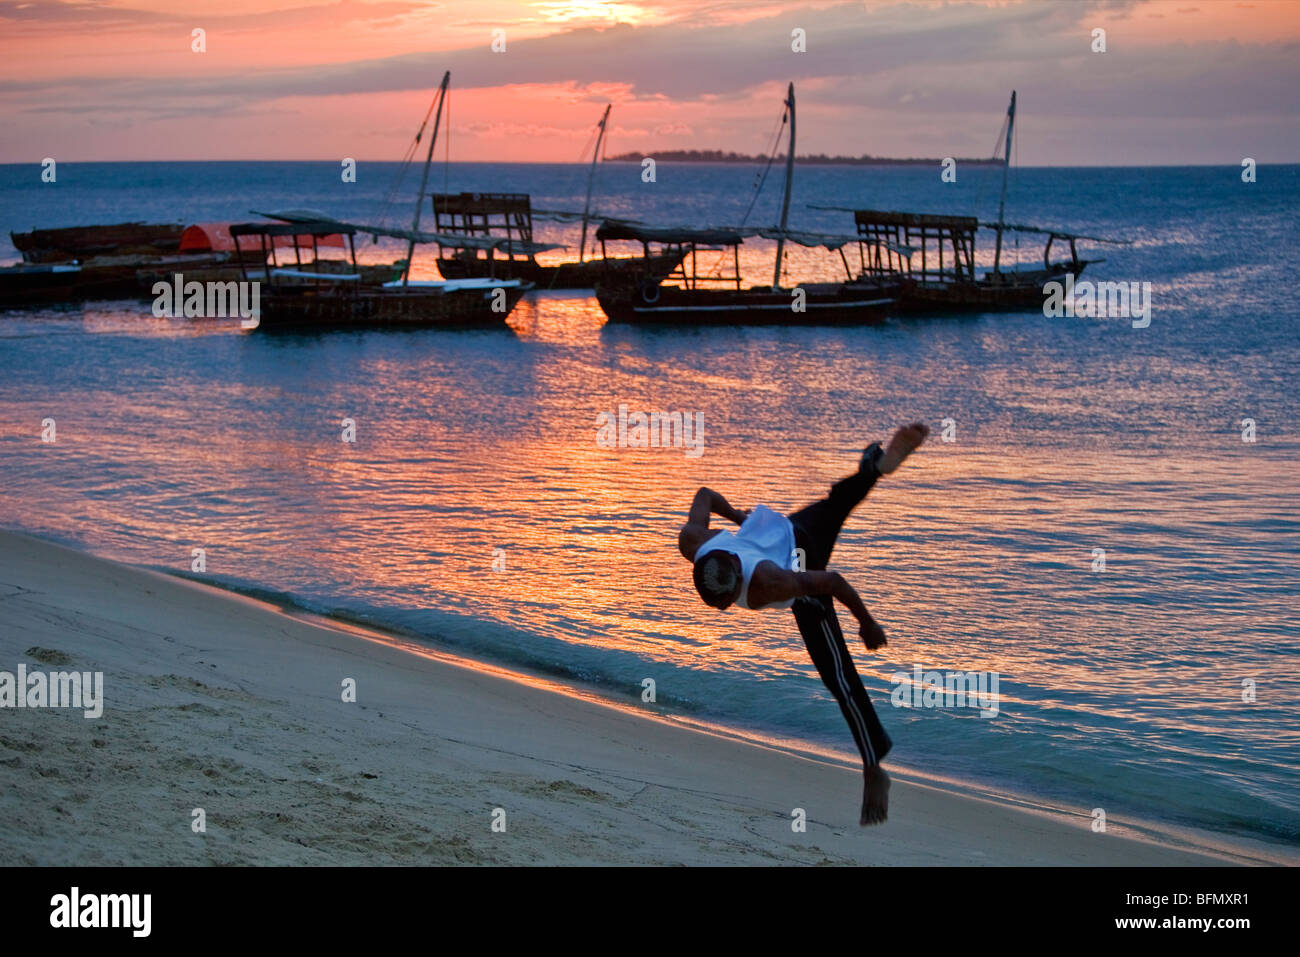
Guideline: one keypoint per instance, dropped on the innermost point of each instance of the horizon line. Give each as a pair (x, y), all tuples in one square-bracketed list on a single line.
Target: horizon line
[(881, 161)]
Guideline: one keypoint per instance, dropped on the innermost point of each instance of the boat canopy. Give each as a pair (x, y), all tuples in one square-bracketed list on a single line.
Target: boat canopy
[(810, 240), (291, 230), (454, 240), (482, 204), (216, 237), (610, 230), (968, 224), (573, 216), (1055, 233), (894, 218)]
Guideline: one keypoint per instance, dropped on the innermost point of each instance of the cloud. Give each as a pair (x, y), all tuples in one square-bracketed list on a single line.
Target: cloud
[(933, 73), (75, 16)]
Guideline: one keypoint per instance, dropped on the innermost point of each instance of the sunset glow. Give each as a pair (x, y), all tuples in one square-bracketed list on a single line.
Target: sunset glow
[(120, 80)]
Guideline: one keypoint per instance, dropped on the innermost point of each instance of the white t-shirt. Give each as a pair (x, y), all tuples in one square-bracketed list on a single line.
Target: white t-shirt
[(765, 536)]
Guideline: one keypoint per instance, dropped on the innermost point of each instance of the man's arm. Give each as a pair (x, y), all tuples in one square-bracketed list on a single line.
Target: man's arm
[(772, 583), (696, 530)]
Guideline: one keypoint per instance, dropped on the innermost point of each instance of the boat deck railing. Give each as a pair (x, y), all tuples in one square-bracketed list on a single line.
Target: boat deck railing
[(507, 216)]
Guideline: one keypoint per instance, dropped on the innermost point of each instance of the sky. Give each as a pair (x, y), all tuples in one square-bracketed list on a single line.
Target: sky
[(1179, 82)]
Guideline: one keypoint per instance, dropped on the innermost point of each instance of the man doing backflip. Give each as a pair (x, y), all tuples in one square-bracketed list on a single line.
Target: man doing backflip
[(757, 567)]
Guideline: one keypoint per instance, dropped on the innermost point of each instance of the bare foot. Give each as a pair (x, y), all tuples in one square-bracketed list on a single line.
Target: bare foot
[(904, 443), (875, 796)]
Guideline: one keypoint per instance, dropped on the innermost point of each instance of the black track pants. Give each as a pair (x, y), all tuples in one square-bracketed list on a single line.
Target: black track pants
[(815, 530)]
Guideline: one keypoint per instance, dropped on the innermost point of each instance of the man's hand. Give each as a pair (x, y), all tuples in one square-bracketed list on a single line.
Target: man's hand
[(873, 636), (696, 531), (739, 515)]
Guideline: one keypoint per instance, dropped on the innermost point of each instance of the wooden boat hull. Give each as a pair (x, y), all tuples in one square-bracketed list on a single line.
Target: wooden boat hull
[(1022, 290), (108, 277), (571, 275), (229, 271), (85, 242), (825, 304), (291, 309), (35, 284)]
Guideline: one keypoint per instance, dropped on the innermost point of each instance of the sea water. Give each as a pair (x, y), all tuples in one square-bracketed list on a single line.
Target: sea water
[(1105, 517)]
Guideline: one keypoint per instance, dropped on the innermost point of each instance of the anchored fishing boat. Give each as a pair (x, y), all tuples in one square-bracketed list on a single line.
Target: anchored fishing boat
[(719, 298), (76, 243), (312, 293), (509, 216), (34, 283), (305, 296), (214, 240), (97, 278), (933, 256)]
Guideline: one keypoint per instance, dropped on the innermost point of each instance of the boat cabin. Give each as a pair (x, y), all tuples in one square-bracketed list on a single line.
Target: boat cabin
[(928, 248), (505, 220), (685, 241), (271, 241)]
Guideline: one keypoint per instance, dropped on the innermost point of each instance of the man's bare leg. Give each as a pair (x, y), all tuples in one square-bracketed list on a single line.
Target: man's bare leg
[(875, 796)]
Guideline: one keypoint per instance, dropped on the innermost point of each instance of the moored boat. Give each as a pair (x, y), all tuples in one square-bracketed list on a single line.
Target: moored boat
[(31, 283), (84, 242), (301, 296), (932, 257), (213, 241), (99, 278), (304, 296), (822, 304), (509, 217), (720, 299)]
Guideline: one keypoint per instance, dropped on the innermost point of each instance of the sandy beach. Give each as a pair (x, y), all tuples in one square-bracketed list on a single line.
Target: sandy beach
[(217, 702)]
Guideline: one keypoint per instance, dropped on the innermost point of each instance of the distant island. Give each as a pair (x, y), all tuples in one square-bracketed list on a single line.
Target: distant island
[(817, 159)]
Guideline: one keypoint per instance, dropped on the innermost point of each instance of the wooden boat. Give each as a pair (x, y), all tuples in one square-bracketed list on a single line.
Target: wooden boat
[(84, 242), (721, 300), (825, 304), (933, 257), (510, 216), (302, 296), (129, 273), (100, 263), (214, 241), (943, 278), (99, 278), (33, 283), (307, 296)]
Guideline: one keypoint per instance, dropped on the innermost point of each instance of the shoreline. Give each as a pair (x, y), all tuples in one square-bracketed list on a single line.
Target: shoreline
[(591, 780)]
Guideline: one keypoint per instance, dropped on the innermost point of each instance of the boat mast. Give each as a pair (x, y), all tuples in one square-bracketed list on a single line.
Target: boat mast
[(785, 203), (591, 178), (1006, 165), (424, 178)]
